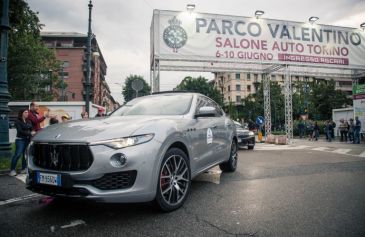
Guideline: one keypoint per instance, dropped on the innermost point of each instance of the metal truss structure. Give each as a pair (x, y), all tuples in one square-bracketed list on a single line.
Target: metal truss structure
[(267, 104), (288, 105)]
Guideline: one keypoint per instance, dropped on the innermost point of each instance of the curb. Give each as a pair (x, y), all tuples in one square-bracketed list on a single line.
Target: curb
[(4, 172)]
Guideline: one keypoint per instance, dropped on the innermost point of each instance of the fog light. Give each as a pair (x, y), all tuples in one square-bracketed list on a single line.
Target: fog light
[(118, 160)]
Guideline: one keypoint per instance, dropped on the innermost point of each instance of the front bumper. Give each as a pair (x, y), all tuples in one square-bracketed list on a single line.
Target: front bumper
[(246, 141), (134, 182)]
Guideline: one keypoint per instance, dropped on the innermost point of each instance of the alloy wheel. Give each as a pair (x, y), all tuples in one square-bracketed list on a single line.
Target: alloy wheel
[(174, 179)]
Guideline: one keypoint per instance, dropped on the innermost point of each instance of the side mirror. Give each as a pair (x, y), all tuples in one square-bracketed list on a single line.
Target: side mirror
[(206, 111)]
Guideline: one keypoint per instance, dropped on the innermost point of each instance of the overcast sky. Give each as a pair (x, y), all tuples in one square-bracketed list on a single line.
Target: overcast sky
[(122, 27)]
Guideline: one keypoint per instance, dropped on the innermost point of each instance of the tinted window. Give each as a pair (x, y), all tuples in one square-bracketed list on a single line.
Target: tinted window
[(168, 104)]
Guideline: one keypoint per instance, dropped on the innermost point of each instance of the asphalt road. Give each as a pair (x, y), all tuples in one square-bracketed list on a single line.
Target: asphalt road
[(274, 192)]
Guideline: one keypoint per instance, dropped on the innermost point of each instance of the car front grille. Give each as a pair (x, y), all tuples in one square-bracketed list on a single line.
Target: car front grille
[(118, 180), (62, 157)]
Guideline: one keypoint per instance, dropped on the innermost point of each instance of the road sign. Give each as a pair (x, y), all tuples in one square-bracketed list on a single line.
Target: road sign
[(260, 120)]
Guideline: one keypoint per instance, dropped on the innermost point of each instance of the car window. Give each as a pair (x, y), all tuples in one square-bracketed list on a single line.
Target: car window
[(167, 104)]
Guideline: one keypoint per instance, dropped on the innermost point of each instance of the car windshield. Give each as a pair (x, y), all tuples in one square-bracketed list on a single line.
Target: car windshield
[(166, 104)]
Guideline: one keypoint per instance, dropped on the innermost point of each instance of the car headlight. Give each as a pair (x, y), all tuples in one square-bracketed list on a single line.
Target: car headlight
[(123, 142), (250, 133)]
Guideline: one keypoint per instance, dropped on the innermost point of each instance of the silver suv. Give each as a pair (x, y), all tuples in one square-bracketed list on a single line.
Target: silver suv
[(149, 149)]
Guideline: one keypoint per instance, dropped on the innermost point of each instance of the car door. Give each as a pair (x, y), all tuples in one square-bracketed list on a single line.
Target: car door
[(203, 138), (223, 134)]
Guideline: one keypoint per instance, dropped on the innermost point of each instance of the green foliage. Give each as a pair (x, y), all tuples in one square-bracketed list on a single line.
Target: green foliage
[(323, 98), (201, 85), (129, 93), (31, 65)]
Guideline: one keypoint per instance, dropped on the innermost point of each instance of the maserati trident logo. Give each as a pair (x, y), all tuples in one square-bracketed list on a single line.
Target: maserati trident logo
[(54, 156)]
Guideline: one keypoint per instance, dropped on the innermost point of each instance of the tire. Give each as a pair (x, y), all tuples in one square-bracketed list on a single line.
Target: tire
[(173, 180), (231, 164), (251, 147)]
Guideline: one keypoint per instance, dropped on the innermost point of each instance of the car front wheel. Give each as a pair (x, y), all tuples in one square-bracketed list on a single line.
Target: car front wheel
[(231, 164), (174, 180)]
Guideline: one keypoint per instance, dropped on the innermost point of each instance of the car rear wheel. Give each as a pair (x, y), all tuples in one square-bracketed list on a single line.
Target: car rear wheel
[(251, 147), (231, 164), (174, 180)]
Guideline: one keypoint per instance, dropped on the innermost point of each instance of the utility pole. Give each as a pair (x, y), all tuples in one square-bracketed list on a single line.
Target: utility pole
[(5, 148), (88, 61)]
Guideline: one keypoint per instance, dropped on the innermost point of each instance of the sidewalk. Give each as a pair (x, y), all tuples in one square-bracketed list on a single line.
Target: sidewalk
[(324, 142)]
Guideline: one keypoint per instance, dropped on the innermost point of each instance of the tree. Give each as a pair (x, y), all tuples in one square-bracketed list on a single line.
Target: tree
[(129, 93), (324, 97), (201, 85), (32, 67)]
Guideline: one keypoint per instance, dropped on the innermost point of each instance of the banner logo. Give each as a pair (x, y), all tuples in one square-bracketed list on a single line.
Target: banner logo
[(174, 35)]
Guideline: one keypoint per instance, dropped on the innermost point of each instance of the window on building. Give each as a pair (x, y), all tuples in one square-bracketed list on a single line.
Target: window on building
[(238, 76), (229, 88), (63, 75), (255, 77), (238, 87), (248, 88), (248, 76), (66, 64), (238, 99), (282, 77), (273, 77)]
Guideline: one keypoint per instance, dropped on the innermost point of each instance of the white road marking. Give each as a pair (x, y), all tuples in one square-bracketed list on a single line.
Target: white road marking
[(274, 147), (18, 199), (74, 223), (321, 148), (341, 151)]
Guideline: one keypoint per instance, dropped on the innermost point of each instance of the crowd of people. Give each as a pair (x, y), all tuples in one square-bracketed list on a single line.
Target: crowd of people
[(27, 124), (349, 130)]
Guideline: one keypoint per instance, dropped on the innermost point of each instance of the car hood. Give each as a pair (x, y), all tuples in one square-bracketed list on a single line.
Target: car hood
[(91, 130)]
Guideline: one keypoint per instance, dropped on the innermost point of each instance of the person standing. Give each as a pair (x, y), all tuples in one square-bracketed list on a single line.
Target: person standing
[(351, 130), (329, 129), (34, 116), (23, 134), (315, 131), (343, 130), (357, 129), (301, 127)]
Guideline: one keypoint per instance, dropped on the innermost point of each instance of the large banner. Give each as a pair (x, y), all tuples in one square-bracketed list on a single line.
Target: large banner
[(207, 37)]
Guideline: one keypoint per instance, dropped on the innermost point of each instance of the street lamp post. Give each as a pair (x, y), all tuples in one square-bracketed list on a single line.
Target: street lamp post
[(5, 148), (88, 61)]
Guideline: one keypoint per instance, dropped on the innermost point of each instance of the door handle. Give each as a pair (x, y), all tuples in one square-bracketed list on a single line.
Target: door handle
[(215, 126)]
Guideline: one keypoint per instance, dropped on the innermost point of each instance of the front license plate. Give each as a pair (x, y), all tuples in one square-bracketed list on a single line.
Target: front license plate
[(239, 140), (50, 179)]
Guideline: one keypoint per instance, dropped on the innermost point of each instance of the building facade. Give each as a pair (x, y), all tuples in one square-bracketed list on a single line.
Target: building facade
[(70, 49), (237, 86)]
